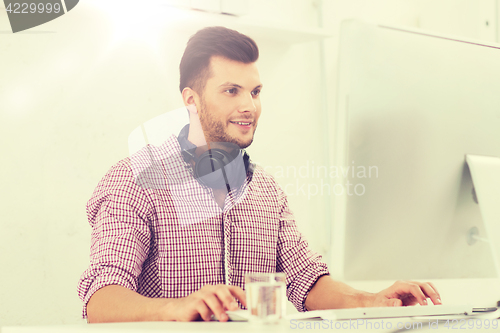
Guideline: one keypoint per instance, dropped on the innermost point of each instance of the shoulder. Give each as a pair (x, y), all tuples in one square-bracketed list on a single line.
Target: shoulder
[(119, 172), (260, 174), (141, 169), (151, 154), (117, 181), (264, 182)]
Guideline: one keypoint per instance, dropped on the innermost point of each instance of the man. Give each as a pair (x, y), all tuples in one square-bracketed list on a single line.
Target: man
[(167, 246)]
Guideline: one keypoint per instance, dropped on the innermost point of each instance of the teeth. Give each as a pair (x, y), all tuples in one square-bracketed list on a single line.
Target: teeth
[(240, 123)]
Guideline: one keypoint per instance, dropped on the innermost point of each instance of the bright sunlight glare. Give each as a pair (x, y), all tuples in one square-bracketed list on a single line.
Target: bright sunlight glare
[(139, 20)]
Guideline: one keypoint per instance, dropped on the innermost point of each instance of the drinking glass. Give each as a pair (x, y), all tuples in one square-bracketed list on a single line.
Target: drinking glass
[(266, 296)]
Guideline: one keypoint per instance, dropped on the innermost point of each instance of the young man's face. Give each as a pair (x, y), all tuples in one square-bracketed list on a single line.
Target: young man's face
[(230, 104)]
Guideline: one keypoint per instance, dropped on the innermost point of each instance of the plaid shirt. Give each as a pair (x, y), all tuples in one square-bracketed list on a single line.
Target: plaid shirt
[(156, 230)]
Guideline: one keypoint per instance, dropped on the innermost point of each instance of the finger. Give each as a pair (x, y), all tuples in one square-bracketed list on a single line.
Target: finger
[(430, 291), (239, 294), (225, 295), (391, 302), (409, 300), (395, 302), (204, 310), (413, 289), (215, 305), (438, 299)]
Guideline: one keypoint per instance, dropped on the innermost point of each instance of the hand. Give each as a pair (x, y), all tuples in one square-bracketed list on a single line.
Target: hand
[(208, 300), (404, 293)]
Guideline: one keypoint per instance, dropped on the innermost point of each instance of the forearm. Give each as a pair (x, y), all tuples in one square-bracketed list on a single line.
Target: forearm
[(330, 294), (115, 303)]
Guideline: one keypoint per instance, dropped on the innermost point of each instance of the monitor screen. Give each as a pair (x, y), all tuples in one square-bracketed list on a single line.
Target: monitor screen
[(411, 105)]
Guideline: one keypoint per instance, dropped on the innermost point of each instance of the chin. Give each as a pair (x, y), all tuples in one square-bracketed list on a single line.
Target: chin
[(243, 144)]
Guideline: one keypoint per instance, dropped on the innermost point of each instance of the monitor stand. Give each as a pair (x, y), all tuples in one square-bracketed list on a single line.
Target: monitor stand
[(485, 173)]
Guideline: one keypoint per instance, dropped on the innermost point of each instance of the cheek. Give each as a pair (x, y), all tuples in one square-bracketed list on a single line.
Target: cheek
[(258, 106), (257, 114)]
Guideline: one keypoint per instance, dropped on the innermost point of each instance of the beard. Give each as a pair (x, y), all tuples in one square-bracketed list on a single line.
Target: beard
[(216, 131)]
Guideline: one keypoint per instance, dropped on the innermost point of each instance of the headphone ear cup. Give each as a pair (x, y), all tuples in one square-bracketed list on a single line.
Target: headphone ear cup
[(209, 168)]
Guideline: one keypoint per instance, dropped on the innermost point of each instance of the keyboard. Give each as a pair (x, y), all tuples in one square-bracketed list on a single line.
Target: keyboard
[(386, 312), (370, 313)]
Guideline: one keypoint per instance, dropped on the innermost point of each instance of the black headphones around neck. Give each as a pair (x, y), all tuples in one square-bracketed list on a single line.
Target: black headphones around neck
[(225, 167)]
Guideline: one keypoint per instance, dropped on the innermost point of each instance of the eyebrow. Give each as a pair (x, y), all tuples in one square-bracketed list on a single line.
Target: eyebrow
[(229, 84)]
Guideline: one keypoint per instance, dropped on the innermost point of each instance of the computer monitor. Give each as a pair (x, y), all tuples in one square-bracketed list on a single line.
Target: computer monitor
[(411, 105)]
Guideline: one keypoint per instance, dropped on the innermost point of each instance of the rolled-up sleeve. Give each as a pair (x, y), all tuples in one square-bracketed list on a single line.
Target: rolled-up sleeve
[(302, 266), (118, 213)]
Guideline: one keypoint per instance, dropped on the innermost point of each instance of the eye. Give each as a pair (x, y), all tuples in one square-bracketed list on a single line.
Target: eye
[(231, 91), (256, 92)]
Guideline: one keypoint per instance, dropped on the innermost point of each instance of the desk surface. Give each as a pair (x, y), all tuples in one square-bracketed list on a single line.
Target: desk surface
[(484, 323), (479, 292)]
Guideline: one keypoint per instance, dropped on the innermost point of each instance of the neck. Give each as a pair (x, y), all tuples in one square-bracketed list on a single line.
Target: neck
[(196, 135)]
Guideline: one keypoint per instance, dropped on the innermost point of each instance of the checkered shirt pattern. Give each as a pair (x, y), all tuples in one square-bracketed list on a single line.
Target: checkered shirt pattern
[(156, 230)]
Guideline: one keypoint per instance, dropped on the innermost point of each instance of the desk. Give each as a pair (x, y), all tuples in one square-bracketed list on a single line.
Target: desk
[(480, 292), (396, 325)]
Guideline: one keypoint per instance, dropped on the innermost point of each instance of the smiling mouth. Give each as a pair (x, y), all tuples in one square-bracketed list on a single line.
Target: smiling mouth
[(241, 123)]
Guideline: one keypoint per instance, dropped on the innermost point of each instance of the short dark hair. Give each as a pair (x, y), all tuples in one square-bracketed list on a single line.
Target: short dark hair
[(209, 42)]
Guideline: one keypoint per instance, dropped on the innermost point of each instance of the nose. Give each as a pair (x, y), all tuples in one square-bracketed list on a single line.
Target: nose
[(248, 103)]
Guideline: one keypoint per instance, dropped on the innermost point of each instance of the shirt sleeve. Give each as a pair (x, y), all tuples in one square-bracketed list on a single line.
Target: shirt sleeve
[(302, 266), (118, 213)]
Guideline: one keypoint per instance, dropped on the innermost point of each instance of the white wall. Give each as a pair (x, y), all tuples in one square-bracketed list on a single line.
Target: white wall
[(73, 89), (475, 19)]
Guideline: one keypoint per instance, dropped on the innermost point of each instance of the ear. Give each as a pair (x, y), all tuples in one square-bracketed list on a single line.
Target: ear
[(190, 97)]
